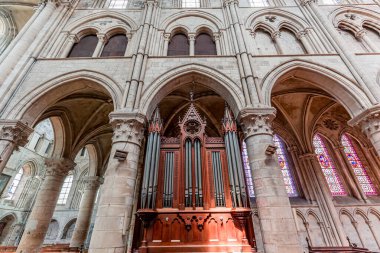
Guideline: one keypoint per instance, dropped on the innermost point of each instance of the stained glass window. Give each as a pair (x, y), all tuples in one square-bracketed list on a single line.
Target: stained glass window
[(15, 183), (327, 166), (284, 165), (64, 194), (247, 171), (357, 166)]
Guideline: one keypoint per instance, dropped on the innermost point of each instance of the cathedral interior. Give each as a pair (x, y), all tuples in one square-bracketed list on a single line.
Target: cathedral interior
[(158, 126)]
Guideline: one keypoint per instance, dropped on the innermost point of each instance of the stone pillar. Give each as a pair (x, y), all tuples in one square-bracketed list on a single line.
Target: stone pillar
[(302, 36), (277, 223), (71, 40), (85, 211), (115, 206), (23, 44), (43, 209), (192, 44), (276, 39), (13, 134), (102, 40), (166, 44), (217, 43), (362, 35)]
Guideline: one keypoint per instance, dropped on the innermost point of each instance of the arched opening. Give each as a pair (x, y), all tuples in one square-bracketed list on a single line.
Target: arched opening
[(204, 45), (68, 230), (6, 225), (264, 43), (115, 46), (52, 232), (193, 163), (85, 47), (289, 42), (314, 120), (179, 45)]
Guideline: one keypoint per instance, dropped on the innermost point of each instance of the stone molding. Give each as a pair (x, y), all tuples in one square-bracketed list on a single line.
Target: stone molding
[(15, 132), (369, 121), (58, 166), (256, 121), (92, 182), (127, 127)]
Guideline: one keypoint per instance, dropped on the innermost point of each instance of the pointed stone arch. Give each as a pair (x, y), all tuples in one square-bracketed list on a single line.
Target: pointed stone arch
[(168, 81), (342, 88)]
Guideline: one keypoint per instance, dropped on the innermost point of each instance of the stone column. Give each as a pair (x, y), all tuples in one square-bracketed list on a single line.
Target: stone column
[(47, 9), (13, 134), (277, 223), (102, 40), (192, 44), (71, 40), (302, 36), (43, 209), (276, 39), (85, 211), (166, 44), (115, 206), (362, 35), (217, 43)]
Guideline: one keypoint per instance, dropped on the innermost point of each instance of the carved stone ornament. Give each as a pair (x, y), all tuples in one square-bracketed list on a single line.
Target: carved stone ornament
[(331, 124), (15, 131), (58, 166), (92, 183), (371, 124), (257, 121), (127, 127)]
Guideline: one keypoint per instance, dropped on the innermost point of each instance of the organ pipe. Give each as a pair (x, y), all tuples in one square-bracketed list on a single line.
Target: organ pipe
[(149, 187)]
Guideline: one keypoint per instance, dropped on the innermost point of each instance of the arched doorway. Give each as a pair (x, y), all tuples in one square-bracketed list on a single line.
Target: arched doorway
[(193, 194)]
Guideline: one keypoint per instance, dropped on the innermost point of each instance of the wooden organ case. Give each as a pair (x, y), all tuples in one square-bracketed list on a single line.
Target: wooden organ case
[(193, 195)]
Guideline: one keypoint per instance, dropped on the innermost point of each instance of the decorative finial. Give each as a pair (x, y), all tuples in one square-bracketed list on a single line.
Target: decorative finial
[(191, 96)]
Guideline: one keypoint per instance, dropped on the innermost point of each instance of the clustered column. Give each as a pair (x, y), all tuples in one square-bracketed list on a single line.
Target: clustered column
[(43, 209), (85, 211), (277, 222), (12, 135), (371, 127), (115, 206)]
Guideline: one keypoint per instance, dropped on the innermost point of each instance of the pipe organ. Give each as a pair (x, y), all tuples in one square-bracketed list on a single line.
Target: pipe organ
[(193, 195)]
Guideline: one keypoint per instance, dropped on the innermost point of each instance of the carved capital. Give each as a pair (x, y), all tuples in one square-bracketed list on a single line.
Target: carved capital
[(127, 127), (15, 132), (307, 2), (257, 121), (92, 183), (369, 121), (58, 166), (166, 36), (191, 36)]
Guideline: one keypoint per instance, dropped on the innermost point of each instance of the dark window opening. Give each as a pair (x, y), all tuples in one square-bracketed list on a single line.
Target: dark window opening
[(85, 47), (179, 45), (204, 45), (115, 46)]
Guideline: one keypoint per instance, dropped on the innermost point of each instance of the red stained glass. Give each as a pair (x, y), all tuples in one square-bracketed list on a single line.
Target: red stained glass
[(328, 168), (357, 166)]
